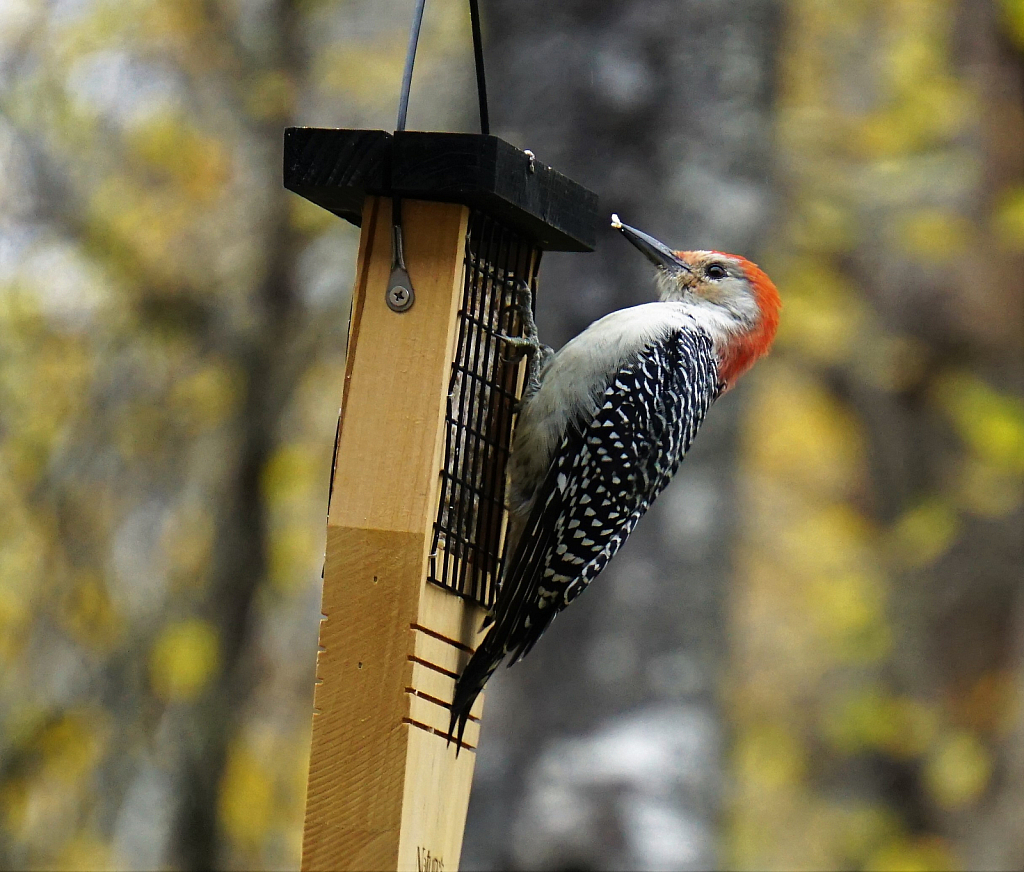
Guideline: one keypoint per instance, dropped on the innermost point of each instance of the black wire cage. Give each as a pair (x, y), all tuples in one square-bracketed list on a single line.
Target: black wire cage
[(467, 554)]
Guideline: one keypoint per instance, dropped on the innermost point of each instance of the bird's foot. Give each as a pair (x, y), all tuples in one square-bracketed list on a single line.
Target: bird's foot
[(528, 345)]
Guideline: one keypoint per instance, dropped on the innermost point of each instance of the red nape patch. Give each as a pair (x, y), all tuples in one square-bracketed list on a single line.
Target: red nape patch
[(744, 351)]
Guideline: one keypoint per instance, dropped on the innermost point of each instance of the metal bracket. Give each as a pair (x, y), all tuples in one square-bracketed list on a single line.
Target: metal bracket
[(400, 295)]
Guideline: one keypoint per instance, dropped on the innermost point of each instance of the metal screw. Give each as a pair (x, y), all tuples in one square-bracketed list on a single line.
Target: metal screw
[(399, 298)]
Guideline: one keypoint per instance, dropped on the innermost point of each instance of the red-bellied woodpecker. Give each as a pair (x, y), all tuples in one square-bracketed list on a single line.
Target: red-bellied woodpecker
[(604, 424)]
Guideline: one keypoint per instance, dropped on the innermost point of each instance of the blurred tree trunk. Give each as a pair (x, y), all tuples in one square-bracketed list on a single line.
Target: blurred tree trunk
[(269, 358), (663, 108), (990, 833)]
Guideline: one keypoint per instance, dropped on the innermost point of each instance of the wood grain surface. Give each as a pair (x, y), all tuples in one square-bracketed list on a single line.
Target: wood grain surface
[(385, 791)]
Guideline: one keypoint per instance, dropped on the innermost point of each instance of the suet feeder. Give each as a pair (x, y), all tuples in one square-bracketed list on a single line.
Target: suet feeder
[(452, 224)]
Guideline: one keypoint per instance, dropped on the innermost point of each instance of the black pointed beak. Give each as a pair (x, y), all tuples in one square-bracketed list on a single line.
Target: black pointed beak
[(657, 252)]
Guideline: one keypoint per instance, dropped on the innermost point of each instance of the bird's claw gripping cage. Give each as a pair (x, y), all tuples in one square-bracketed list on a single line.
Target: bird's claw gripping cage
[(417, 517)]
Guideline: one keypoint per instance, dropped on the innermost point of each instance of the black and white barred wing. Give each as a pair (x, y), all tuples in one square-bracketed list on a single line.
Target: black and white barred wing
[(606, 473)]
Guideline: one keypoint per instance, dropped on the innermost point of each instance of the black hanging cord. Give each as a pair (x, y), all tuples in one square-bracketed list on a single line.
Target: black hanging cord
[(478, 57), (478, 54), (403, 107), (410, 59), (397, 255)]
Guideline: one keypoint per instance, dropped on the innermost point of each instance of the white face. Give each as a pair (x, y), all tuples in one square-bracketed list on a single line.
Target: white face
[(713, 280)]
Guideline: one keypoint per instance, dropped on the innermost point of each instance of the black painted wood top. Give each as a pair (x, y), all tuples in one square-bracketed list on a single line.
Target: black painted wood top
[(336, 169)]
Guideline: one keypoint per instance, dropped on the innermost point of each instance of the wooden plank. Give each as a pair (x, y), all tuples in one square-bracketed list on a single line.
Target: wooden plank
[(383, 786), (437, 783), (336, 168), (430, 683), (445, 614), (357, 763), (399, 377), (492, 175), (432, 829)]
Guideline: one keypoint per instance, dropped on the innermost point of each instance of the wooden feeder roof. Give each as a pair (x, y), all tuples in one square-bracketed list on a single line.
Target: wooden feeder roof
[(336, 169)]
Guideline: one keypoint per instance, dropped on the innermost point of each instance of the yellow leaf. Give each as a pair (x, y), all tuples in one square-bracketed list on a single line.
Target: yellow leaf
[(88, 614), (1008, 219), (822, 225), (184, 659), (187, 540), (869, 718), (21, 563), (892, 363), (926, 854), (15, 802), (362, 70), (129, 225), (864, 828), (206, 396), (770, 757), (990, 422), (72, 746), (308, 218), (797, 432), (182, 20), (246, 800), (934, 235), (1013, 19), (295, 551), (913, 57), (289, 474), (271, 95), (958, 772), (832, 540), (86, 852), (184, 156), (824, 315), (849, 611), (924, 533)]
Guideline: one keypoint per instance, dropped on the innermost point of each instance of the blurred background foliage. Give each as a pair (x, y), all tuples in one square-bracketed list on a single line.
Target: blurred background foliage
[(172, 329), (877, 627)]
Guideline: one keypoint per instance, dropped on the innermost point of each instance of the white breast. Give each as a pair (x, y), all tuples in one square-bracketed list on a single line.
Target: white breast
[(573, 382)]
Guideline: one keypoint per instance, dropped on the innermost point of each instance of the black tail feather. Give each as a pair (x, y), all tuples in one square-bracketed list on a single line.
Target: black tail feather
[(480, 667)]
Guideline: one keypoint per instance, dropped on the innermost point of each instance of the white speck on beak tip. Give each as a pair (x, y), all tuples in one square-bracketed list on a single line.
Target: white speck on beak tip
[(616, 223)]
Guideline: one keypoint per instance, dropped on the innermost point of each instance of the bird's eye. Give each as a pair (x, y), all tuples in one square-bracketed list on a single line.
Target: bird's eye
[(716, 271)]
